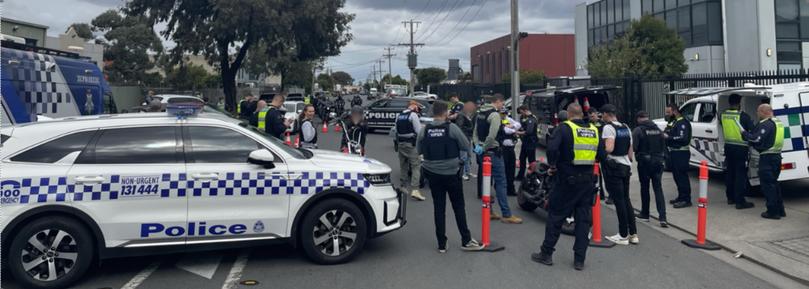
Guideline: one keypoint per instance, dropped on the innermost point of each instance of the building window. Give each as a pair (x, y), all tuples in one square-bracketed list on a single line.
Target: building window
[(791, 28), (658, 6), (684, 24), (645, 7)]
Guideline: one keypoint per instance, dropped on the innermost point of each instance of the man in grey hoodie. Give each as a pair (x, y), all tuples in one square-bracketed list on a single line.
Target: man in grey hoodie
[(442, 144)]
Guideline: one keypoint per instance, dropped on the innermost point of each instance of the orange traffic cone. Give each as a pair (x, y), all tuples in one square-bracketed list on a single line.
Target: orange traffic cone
[(337, 127), (325, 127), (586, 105), (298, 142), (288, 140)]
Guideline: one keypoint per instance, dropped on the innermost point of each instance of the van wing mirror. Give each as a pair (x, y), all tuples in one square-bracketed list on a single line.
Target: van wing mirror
[(262, 157)]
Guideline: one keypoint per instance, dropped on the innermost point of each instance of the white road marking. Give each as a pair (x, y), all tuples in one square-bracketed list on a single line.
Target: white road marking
[(236, 271), (141, 276), (201, 264)]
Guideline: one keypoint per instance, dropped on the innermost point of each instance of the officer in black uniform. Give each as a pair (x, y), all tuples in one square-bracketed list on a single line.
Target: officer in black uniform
[(442, 144), (768, 139), (530, 139), (736, 152), (678, 141), (573, 149), (650, 150), (276, 123), (247, 106)]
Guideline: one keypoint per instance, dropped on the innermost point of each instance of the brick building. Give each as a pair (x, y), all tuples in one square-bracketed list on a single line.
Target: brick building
[(553, 54)]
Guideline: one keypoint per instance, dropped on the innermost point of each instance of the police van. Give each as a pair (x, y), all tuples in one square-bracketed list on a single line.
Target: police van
[(40, 83), (703, 107), (83, 189)]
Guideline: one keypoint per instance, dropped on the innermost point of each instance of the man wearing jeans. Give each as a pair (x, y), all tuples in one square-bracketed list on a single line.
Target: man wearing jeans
[(650, 148), (442, 144), (488, 134)]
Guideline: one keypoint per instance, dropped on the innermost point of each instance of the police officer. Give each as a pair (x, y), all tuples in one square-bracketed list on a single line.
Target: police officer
[(407, 128), (260, 106), (678, 140), (246, 107), (768, 139), (355, 132), (572, 151), (456, 107), (442, 143), (508, 144), (736, 152), (272, 119), (488, 136), (308, 133), (617, 169), (650, 149), (529, 138)]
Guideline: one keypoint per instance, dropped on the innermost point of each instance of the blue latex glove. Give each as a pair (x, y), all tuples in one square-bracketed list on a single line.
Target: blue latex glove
[(478, 149)]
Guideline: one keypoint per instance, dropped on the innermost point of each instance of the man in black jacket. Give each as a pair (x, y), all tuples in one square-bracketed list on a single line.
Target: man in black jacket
[(466, 121), (678, 141), (528, 133), (650, 149), (573, 149), (276, 123)]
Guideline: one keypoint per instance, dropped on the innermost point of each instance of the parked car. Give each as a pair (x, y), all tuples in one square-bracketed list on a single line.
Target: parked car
[(424, 95), (545, 104)]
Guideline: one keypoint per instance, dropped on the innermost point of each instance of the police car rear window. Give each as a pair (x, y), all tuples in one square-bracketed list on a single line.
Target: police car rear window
[(55, 150), (134, 146)]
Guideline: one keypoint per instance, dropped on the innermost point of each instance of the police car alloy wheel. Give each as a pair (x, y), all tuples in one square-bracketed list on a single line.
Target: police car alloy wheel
[(334, 231), (51, 252)]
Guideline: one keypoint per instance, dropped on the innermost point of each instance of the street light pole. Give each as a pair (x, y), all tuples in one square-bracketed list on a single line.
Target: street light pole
[(515, 59)]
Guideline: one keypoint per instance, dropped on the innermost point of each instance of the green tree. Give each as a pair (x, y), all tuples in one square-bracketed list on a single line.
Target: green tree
[(224, 31), (299, 74), (648, 49), (527, 77), (187, 77), (398, 80), (342, 78), (325, 82), (83, 30), (431, 75), (129, 39)]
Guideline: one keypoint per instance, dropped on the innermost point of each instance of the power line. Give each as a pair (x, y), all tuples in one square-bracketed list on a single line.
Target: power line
[(437, 27), (431, 22), (465, 25)]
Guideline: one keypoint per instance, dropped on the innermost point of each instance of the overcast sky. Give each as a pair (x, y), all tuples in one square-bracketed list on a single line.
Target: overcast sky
[(449, 27)]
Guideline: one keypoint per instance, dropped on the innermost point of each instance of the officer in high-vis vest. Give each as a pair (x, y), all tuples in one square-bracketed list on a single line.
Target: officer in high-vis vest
[(572, 151), (678, 142), (768, 139), (736, 152), (254, 119)]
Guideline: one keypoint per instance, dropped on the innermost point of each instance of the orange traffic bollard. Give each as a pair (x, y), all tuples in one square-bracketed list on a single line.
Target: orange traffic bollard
[(288, 141), (486, 196), (702, 213), (596, 240), (337, 128), (298, 141)]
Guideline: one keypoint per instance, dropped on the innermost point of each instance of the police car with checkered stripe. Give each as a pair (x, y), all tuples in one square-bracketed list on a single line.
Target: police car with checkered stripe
[(703, 106), (75, 191)]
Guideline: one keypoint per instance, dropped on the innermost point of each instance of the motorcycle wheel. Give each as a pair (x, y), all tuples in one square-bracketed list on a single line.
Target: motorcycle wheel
[(523, 201)]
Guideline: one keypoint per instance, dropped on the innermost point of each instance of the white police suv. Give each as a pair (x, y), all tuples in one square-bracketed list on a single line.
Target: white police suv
[(78, 190)]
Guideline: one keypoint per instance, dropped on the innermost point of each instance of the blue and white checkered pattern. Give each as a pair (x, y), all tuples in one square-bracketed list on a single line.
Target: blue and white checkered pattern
[(234, 184), (41, 86)]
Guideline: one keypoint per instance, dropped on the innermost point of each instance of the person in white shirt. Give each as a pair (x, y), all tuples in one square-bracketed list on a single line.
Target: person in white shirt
[(511, 128), (617, 170)]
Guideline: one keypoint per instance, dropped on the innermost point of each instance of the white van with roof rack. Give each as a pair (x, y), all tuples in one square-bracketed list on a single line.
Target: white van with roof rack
[(89, 188), (702, 106)]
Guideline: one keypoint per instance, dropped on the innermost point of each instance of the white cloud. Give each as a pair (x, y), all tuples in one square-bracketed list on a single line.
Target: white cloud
[(377, 24)]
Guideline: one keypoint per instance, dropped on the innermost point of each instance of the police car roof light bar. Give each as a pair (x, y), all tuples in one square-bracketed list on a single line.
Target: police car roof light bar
[(183, 110)]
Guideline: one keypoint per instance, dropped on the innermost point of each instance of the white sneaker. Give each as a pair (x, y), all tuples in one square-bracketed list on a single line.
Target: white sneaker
[(472, 245), (617, 239), (465, 177), (473, 175), (416, 194), (633, 239)]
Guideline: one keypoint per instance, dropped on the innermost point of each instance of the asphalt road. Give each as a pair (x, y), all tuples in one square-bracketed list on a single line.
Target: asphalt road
[(408, 258)]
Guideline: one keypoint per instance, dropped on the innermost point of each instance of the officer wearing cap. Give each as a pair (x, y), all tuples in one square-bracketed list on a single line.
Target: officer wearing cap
[(768, 139), (572, 151), (736, 152), (442, 144), (678, 141), (407, 127), (650, 149)]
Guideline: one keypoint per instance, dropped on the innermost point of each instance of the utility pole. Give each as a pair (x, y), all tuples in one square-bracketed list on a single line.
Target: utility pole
[(381, 73), (390, 67), (373, 70), (412, 57), (515, 59)]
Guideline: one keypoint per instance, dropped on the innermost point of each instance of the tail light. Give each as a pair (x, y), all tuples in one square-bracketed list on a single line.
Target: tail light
[(787, 166)]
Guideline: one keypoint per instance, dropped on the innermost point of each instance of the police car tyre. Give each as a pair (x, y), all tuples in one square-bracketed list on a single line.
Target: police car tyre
[(50, 252), (334, 231)]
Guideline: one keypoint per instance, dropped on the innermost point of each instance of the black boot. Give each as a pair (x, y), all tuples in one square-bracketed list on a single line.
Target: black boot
[(542, 258)]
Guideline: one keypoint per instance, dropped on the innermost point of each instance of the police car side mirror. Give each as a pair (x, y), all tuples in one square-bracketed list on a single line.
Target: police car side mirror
[(261, 157)]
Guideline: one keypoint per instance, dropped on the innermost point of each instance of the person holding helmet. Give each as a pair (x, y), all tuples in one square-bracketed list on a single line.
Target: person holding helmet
[(407, 128), (355, 129)]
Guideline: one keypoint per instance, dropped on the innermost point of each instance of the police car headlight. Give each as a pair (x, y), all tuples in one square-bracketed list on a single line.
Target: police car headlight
[(377, 179)]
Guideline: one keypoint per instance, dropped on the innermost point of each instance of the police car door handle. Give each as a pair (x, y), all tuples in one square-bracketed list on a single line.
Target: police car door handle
[(294, 176), (84, 180), (205, 176), (709, 130)]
